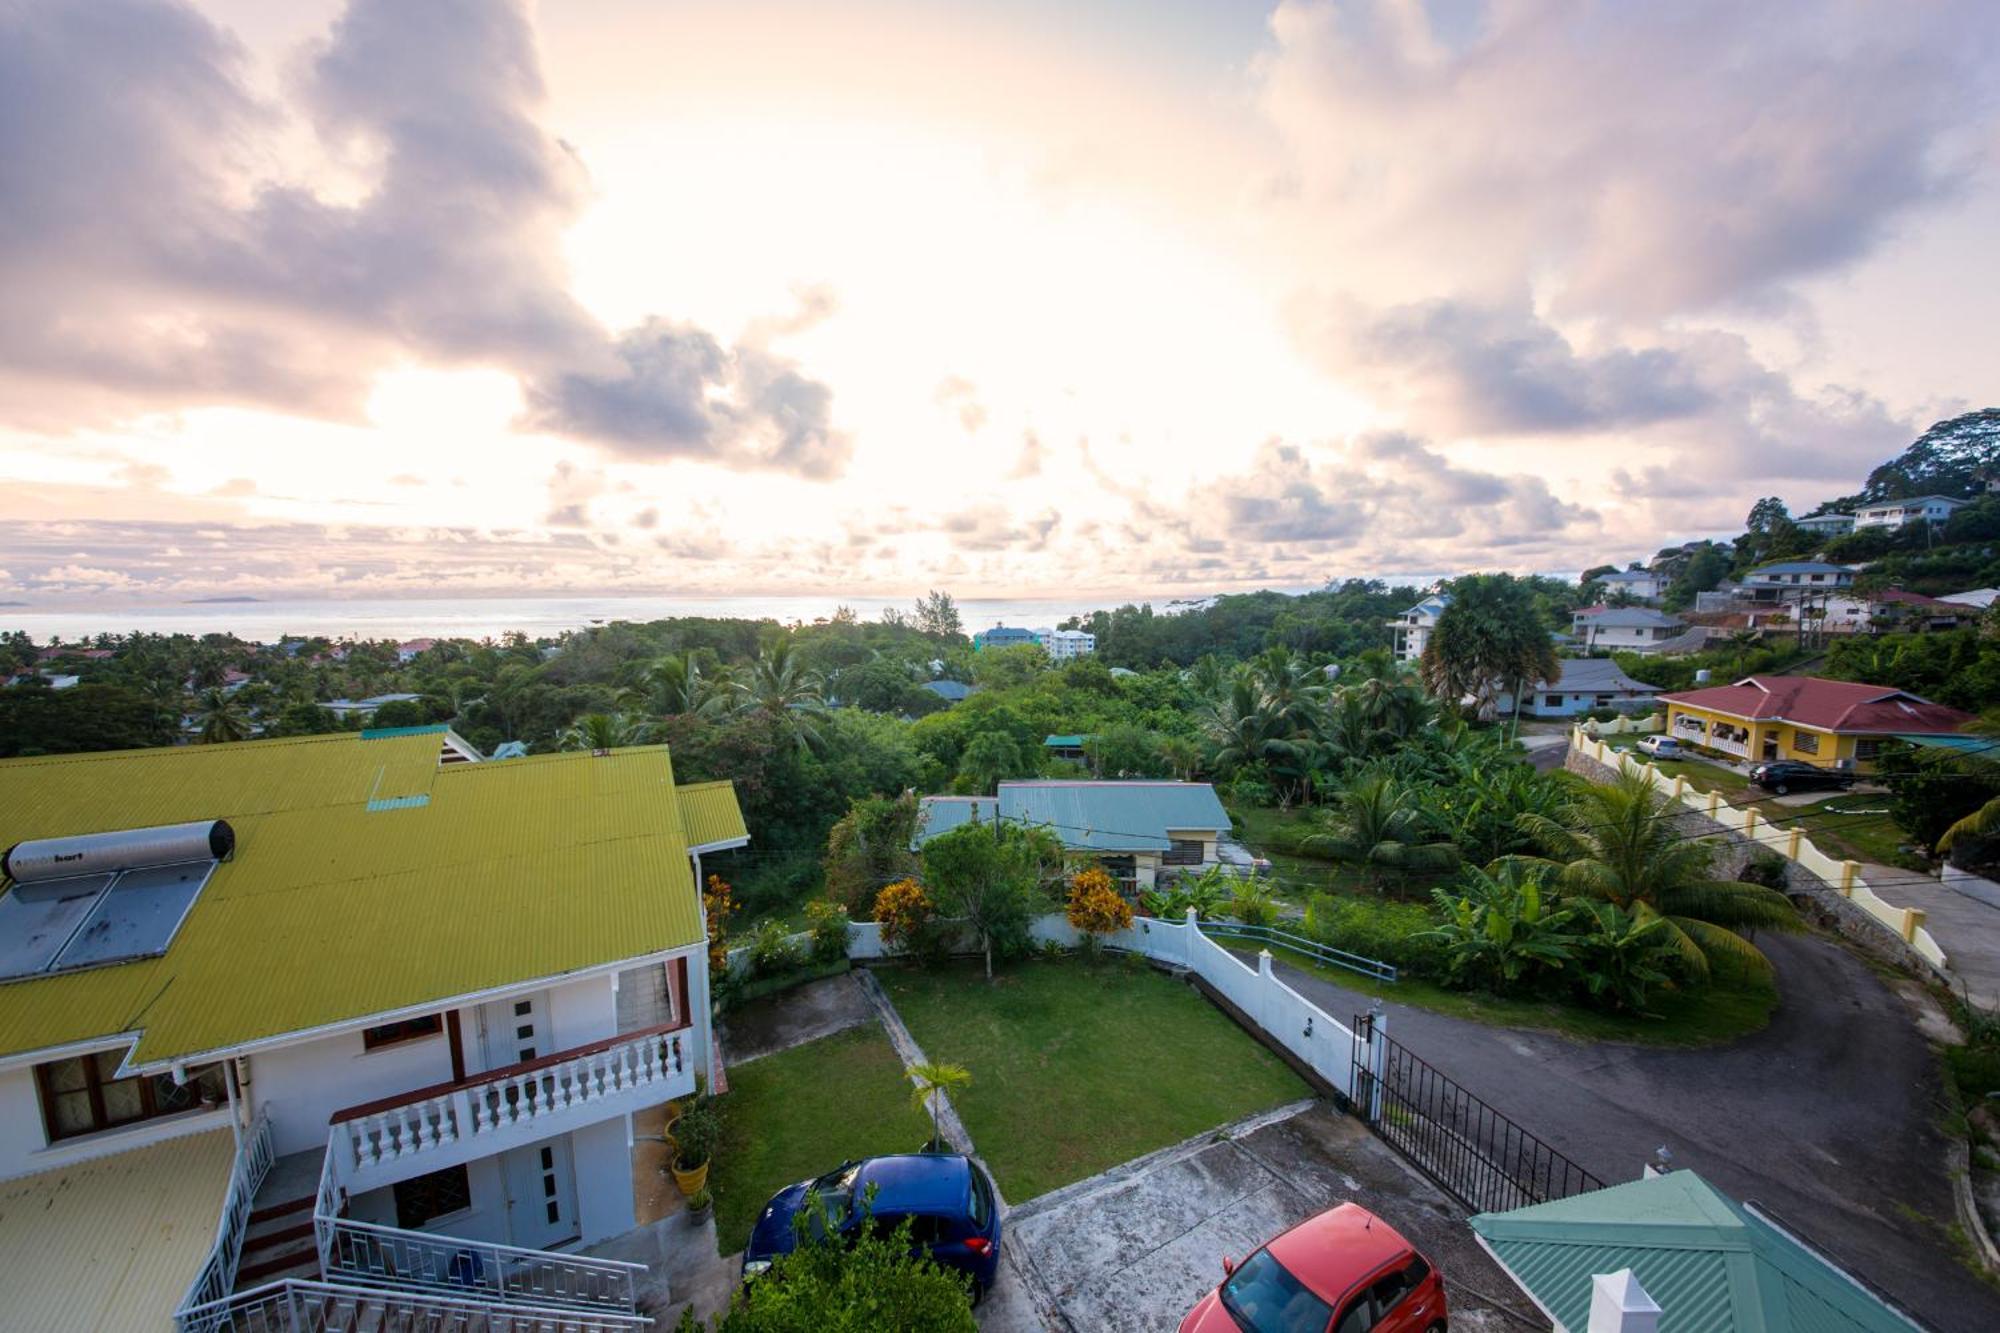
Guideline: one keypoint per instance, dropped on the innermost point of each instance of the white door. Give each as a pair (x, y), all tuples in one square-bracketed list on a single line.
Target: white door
[(515, 1030), (541, 1193)]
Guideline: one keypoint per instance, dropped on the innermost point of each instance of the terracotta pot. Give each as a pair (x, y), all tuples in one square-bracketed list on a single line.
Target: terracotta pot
[(692, 1180)]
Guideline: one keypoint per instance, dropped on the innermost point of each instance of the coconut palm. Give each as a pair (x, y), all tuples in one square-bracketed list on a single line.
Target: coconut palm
[(603, 731), (1613, 843), (678, 687), (1181, 755), (222, 718), (781, 689), (1244, 731), (1377, 827), (931, 1081)]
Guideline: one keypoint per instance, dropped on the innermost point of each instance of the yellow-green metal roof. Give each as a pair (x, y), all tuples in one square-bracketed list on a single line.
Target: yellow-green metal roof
[(366, 878), (111, 1243), (710, 814)]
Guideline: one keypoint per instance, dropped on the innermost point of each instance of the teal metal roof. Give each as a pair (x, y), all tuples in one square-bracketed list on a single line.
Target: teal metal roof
[(1965, 746), (1712, 1265), (1087, 816), (1065, 742)]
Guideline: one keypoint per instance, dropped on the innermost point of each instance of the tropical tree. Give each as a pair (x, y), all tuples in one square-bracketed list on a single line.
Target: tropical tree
[(604, 731), (1490, 640), (869, 847), (778, 687), (221, 718), (1377, 827), (1619, 958), (990, 758), (677, 686), (1244, 731), (988, 876), (1499, 930), (937, 615), (1613, 843), (935, 1081), (1181, 755)]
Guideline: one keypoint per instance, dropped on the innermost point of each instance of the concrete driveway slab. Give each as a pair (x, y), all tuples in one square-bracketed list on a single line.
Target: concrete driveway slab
[(1135, 1248)]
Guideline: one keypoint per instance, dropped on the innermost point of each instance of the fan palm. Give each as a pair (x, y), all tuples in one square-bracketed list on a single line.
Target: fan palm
[(1613, 843), (1377, 827), (222, 718)]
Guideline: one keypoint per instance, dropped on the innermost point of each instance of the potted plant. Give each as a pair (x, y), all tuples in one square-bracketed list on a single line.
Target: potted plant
[(701, 1206), (696, 1132)]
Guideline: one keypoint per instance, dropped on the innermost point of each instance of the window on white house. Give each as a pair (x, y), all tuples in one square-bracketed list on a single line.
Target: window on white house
[(83, 1095)]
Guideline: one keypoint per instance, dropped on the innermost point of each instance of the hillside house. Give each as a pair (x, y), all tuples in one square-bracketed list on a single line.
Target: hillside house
[(1826, 525), (1064, 644), (343, 709), (1586, 683), (1135, 829), (1412, 629), (1792, 580), (1002, 636), (1641, 584), (1829, 723), (1933, 509), (408, 1010), (1635, 629)]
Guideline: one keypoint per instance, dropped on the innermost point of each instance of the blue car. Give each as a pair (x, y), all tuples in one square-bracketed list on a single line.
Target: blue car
[(947, 1199)]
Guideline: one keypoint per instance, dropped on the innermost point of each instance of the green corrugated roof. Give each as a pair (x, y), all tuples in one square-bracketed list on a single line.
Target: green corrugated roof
[(1065, 742), (347, 896), (1093, 816), (710, 814), (1712, 1265)]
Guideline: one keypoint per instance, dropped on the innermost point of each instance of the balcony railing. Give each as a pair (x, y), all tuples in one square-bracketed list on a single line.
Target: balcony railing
[(253, 1162), (436, 1126), (369, 1255), (296, 1306)]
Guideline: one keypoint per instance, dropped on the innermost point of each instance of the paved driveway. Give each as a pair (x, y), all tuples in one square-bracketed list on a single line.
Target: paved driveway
[(1135, 1248), (1827, 1118)]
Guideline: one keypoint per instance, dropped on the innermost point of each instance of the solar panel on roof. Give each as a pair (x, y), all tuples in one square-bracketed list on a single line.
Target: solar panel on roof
[(37, 920), (137, 916)]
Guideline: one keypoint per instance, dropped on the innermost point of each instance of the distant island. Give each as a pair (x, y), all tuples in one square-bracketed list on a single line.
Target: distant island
[(13, 603), (217, 601)]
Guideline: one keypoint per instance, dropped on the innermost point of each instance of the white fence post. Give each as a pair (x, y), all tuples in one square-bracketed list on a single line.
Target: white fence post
[(1191, 939)]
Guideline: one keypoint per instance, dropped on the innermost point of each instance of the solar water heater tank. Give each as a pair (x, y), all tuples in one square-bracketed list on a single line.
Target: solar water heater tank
[(108, 853)]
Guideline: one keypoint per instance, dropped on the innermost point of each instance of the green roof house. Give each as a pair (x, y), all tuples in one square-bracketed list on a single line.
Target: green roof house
[(1674, 1254)]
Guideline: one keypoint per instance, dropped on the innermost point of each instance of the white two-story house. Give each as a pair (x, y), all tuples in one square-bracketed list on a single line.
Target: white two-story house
[(1635, 629), (330, 1028), (1641, 584), (1412, 629), (1934, 509)]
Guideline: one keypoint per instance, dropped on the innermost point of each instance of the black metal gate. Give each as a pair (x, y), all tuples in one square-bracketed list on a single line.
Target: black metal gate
[(1477, 1155)]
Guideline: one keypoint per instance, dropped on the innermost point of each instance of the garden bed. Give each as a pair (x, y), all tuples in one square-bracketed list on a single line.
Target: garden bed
[(802, 1112), (1077, 1067)]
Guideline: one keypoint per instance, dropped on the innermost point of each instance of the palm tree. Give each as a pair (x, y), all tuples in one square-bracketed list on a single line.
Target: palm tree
[(1181, 755), (790, 695), (222, 718), (1377, 827), (1613, 843), (931, 1081), (601, 731), (680, 688), (1245, 732)]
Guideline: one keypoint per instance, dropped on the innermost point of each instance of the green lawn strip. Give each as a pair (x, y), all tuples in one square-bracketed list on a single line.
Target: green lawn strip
[(804, 1111), (1076, 1068), (1723, 1011)]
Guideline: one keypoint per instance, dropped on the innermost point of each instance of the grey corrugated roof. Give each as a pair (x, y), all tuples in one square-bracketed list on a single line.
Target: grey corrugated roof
[(953, 690), (1597, 675), (1093, 816), (1627, 576), (1621, 617), (1712, 1265), (1799, 567)]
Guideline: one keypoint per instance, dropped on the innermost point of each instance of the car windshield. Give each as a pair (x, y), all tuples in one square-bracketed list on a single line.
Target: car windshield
[(836, 1189), (1263, 1297)]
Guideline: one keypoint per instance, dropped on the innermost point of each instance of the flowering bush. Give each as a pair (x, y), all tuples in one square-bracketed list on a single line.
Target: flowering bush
[(1095, 905), (828, 922), (905, 913), (717, 904)]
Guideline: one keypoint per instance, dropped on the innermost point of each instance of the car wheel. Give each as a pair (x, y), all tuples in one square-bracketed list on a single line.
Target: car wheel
[(1781, 789), (1438, 1327), (978, 1294)]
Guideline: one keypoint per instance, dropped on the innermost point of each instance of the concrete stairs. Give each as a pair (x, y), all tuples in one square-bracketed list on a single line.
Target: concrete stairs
[(279, 1244)]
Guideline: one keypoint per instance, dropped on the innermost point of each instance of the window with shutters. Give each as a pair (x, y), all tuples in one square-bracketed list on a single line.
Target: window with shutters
[(1182, 852), (84, 1095)]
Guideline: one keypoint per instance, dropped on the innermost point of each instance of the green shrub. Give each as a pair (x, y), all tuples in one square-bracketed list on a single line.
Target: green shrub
[(1388, 932), (1254, 906), (773, 951), (1764, 867), (829, 930)]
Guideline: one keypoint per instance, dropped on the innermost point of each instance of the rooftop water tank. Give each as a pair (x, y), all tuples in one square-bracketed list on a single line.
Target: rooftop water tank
[(125, 849)]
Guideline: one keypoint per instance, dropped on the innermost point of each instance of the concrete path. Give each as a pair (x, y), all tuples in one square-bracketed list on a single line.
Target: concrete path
[(1827, 1118), (793, 1018), (1136, 1247), (1967, 928)]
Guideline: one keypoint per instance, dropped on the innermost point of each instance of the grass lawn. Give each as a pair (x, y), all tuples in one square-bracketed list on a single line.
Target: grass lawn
[(804, 1111), (1727, 1009), (1271, 832), (1076, 1068)]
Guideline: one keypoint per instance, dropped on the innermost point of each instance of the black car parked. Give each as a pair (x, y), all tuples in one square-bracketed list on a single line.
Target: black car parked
[(1789, 775)]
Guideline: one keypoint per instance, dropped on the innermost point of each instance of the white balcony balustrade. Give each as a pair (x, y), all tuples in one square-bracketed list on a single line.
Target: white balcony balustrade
[(431, 1128)]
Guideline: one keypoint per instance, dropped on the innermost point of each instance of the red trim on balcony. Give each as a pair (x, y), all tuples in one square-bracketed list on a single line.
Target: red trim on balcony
[(505, 1071)]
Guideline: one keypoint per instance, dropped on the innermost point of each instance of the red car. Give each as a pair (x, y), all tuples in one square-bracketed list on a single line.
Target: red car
[(1345, 1271)]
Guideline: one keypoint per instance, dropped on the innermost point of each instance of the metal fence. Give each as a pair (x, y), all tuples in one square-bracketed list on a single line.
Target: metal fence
[(1285, 939), (1476, 1154)]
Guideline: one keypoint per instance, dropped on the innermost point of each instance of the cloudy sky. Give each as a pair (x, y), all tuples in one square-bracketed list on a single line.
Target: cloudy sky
[(365, 297)]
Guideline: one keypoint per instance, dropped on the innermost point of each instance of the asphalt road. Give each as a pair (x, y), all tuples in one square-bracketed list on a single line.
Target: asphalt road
[(1827, 1118)]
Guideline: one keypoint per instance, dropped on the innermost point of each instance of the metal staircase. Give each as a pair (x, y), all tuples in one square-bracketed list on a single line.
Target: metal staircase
[(300, 1306)]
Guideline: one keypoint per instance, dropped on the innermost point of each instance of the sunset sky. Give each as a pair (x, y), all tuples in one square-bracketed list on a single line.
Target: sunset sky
[(1025, 298)]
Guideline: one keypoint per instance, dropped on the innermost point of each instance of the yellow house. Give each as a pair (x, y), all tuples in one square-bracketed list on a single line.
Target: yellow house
[(1827, 723)]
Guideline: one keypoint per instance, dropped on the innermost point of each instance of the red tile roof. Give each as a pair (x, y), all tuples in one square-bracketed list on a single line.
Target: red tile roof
[(1918, 599), (1831, 705)]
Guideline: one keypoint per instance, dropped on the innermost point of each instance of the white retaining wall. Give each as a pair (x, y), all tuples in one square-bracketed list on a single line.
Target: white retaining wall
[(1844, 877)]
